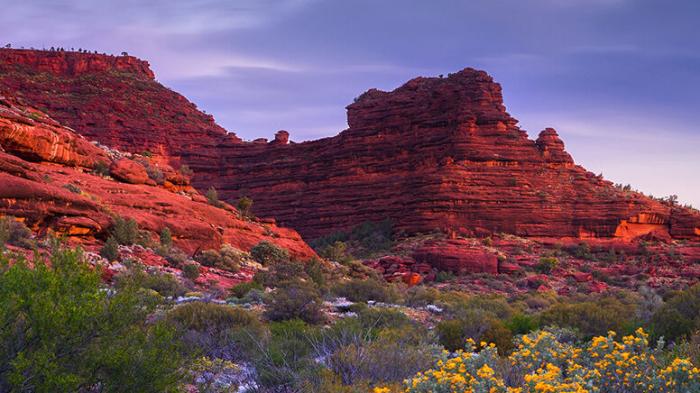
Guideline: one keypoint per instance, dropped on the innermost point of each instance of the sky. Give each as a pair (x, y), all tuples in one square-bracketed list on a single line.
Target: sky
[(619, 79)]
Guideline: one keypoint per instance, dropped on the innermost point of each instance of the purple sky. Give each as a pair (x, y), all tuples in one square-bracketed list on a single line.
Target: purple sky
[(619, 79)]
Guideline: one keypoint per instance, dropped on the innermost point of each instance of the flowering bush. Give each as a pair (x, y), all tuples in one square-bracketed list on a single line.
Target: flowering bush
[(544, 363)]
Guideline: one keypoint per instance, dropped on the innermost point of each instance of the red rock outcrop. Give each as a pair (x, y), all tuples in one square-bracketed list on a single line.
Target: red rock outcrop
[(436, 153), (456, 256), (50, 193), (128, 171)]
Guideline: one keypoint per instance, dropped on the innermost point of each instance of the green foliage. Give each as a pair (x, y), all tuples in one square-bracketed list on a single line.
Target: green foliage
[(101, 168), (267, 253), (154, 173), (679, 316), (202, 316), (60, 331), (166, 238), (282, 272), (217, 330), (522, 324), (186, 171), (295, 300), (591, 318), (244, 204), (110, 250), (242, 289), (213, 197), (363, 241), (226, 258), (284, 362), (15, 233), (362, 290), (191, 271), (125, 231), (72, 188), (547, 264), (163, 284), (337, 252)]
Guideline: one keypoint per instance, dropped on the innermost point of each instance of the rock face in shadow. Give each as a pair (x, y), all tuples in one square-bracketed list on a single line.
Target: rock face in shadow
[(434, 154)]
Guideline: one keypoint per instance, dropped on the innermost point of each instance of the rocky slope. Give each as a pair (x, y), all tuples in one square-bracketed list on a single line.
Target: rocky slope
[(50, 179), (434, 154)]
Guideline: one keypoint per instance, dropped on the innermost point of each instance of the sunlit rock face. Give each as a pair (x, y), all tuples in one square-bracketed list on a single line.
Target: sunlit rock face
[(434, 154)]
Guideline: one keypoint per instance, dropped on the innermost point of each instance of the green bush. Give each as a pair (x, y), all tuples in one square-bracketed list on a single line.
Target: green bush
[(591, 318), (166, 238), (164, 284), (363, 290), (295, 300), (242, 289), (60, 331), (547, 264), (191, 271), (125, 231), (679, 316), (522, 324), (226, 258), (217, 330), (213, 197), (282, 272), (364, 240), (267, 253), (101, 168), (337, 252), (201, 316), (110, 250), (15, 233), (73, 188), (285, 361), (244, 204)]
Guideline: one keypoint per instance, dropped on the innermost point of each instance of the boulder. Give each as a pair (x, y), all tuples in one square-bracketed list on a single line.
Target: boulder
[(128, 171)]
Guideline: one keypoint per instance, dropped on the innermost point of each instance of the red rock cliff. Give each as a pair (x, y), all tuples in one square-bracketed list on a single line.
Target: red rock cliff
[(436, 153)]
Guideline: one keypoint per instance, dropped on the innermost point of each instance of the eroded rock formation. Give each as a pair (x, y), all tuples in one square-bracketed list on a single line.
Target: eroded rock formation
[(434, 154), (47, 181)]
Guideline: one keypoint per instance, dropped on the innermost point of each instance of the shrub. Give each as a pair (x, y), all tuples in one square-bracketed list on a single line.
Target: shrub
[(590, 318), (15, 233), (213, 197), (678, 317), (155, 174), (242, 289), (544, 363), (125, 231), (337, 252), (546, 265), (295, 300), (267, 253), (284, 362), (365, 240), (363, 290), (72, 188), (203, 316), (110, 250), (164, 284), (217, 330), (186, 171), (101, 168), (166, 238), (283, 272), (244, 204), (227, 258), (477, 325), (60, 331), (191, 271), (522, 324)]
